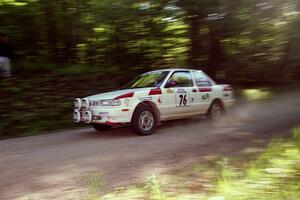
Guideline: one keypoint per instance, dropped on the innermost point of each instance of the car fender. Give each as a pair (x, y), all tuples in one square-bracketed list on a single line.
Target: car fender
[(149, 101)]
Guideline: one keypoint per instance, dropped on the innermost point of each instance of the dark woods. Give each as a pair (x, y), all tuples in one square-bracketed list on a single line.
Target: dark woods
[(239, 41)]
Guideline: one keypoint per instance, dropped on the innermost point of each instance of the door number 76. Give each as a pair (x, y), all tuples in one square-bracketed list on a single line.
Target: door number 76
[(183, 100)]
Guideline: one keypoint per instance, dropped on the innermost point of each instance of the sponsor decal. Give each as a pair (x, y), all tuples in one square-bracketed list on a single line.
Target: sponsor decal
[(103, 114), (95, 103), (181, 90), (170, 91), (145, 98), (205, 97)]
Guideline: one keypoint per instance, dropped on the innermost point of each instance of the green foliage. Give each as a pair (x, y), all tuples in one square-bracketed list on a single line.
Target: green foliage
[(94, 182), (274, 175), (155, 188), (256, 94), (243, 41), (296, 134), (226, 171)]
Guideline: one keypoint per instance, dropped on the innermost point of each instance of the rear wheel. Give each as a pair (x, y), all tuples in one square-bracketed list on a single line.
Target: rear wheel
[(216, 110), (144, 120), (101, 127)]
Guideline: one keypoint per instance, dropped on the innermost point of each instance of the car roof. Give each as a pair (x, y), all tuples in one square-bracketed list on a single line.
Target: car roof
[(174, 69)]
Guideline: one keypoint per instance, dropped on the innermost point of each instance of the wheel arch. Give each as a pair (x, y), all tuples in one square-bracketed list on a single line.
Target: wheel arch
[(154, 108), (219, 100)]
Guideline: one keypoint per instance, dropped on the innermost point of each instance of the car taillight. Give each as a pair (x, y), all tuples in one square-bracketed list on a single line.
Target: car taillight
[(156, 91), (227, 88)]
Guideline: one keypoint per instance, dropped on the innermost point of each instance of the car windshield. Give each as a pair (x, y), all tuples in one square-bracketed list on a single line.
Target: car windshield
[(151, 79)]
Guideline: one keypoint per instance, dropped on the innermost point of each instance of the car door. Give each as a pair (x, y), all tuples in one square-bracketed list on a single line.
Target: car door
[(177, 98), (204, 94)]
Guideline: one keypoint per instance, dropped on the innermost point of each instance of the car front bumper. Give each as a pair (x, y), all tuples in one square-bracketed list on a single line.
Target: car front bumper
[(110, 115)]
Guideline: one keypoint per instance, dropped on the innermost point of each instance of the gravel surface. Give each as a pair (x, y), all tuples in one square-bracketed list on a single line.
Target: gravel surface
[(56, 166)]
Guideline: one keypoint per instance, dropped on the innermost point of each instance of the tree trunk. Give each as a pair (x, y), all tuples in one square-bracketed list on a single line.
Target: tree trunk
[(69, 29), (70, 41), (51, 29), (195, 48), (292, 47), (215, 53)]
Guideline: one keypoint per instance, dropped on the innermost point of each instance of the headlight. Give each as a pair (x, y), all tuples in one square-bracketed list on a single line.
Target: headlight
[(77, 103), (85, 104), (87, 117), (110, 102), (76, 116)]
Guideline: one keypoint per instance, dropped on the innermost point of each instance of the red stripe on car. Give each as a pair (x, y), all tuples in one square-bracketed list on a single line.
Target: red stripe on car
[(127, 95), (206, 89), (156, 91)]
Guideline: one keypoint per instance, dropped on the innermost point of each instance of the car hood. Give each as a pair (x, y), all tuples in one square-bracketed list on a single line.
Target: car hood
[(114, 94)]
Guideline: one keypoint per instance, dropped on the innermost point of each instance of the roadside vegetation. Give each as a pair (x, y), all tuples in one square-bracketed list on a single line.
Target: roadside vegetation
[(38, 100), (263, 174), (34, 102)]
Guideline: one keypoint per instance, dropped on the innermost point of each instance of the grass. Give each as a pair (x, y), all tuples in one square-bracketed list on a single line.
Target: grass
[(94, 181), (273, 174)]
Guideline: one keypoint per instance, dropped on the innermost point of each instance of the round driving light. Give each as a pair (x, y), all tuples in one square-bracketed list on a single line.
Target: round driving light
[(85, 104), (76, 116), (77, 103), (87, 117)]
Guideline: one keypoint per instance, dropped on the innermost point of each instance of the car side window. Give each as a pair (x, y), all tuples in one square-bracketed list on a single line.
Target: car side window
[(201, 80), (181, 79)]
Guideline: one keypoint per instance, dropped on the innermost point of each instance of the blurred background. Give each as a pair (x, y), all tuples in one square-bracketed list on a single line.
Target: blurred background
[(63, 49)]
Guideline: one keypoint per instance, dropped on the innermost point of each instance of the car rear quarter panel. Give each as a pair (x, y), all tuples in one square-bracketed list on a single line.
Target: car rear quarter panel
[(227, 97)]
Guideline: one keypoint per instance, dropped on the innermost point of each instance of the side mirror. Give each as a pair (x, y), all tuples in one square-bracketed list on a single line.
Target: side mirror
[(170, 84)]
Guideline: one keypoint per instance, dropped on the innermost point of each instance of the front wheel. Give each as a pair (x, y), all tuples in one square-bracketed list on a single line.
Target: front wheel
[(101, 127), (144, 120), (216, 110)]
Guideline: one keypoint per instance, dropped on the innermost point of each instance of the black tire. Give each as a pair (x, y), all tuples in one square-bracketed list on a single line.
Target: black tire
[(101, 127), (216, 110), (144, 120)]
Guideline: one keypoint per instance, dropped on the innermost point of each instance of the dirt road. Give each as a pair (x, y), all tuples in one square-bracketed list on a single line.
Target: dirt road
[(55, 166)]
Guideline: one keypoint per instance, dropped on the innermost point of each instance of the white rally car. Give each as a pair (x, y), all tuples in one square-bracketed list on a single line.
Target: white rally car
[(154, 97)]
